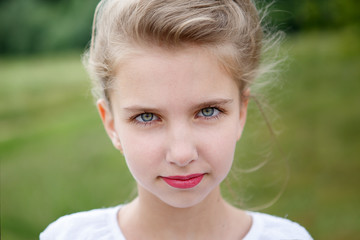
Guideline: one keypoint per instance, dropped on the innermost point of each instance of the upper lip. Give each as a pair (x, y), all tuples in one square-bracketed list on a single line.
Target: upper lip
[(186, 177)]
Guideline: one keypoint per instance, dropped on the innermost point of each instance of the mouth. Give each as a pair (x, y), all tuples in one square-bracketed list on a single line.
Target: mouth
[(184, 182)]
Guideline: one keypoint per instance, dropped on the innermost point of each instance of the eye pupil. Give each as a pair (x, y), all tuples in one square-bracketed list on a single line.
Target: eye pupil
[(207, 112), (147, 117)]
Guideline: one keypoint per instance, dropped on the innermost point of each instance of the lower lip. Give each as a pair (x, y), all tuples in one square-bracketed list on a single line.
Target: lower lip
[(184, 182)]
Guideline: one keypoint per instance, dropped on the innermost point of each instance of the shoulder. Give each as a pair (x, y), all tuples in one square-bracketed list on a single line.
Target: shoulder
[(93, 224), (268, 227)]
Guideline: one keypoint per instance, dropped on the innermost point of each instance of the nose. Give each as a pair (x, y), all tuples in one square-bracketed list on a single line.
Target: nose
[(182, 149)]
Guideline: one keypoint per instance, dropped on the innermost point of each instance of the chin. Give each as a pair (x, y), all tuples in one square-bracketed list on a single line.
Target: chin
[(184, 200)]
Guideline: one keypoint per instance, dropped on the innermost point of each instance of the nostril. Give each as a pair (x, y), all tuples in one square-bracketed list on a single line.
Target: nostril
[(182, 155)]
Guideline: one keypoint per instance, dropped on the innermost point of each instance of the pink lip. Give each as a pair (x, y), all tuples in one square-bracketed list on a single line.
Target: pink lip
[(184, 182)]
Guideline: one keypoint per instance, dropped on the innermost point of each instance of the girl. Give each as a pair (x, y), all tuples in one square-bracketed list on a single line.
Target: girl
[(172, 80)]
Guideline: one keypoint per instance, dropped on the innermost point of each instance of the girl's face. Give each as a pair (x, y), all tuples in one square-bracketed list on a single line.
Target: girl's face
[(176, 117)]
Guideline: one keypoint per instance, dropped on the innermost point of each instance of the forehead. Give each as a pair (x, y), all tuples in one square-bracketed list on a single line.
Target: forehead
[(161, 75)]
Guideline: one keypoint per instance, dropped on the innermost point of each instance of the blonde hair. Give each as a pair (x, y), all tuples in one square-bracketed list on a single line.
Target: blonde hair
[(229, 29)]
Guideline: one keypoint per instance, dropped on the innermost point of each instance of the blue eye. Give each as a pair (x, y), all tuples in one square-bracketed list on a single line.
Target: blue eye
[(209, 112), (146, 117)]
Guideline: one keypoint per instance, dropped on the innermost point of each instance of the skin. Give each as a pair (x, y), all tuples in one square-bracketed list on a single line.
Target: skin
[(176, 113)]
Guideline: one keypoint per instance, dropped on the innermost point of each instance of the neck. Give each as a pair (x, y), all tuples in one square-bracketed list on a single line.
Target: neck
[(162, 221)]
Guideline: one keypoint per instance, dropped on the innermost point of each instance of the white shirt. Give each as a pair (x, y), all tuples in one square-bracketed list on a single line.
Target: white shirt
[(101, 224)]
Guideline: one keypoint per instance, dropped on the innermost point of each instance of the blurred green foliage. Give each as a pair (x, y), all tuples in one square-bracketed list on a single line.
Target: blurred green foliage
[(31, 26), (56, 158), (304, 15)]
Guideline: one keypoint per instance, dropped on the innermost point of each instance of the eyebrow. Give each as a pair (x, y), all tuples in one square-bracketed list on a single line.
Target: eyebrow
[(213, 102), (209, 103)]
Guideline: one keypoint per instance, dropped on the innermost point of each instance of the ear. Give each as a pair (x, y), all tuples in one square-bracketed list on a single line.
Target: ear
[(109, 123), (243, 110)]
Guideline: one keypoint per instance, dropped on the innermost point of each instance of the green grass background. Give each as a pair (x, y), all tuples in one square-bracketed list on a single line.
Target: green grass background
[(56, 158)]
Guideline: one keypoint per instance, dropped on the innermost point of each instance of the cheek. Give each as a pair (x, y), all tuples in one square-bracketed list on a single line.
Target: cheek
[(141, 151), (219, 147)]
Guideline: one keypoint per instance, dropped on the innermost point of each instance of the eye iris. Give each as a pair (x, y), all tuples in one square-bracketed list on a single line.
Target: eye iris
[(146, 117), (207, 112)]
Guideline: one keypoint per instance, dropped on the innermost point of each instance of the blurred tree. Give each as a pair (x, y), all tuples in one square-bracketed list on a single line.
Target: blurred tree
[(315, 14), (29, 26)]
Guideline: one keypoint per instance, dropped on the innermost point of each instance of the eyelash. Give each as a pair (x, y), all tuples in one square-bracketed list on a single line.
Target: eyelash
[(218, 113), (149, 123), (144, 123)]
